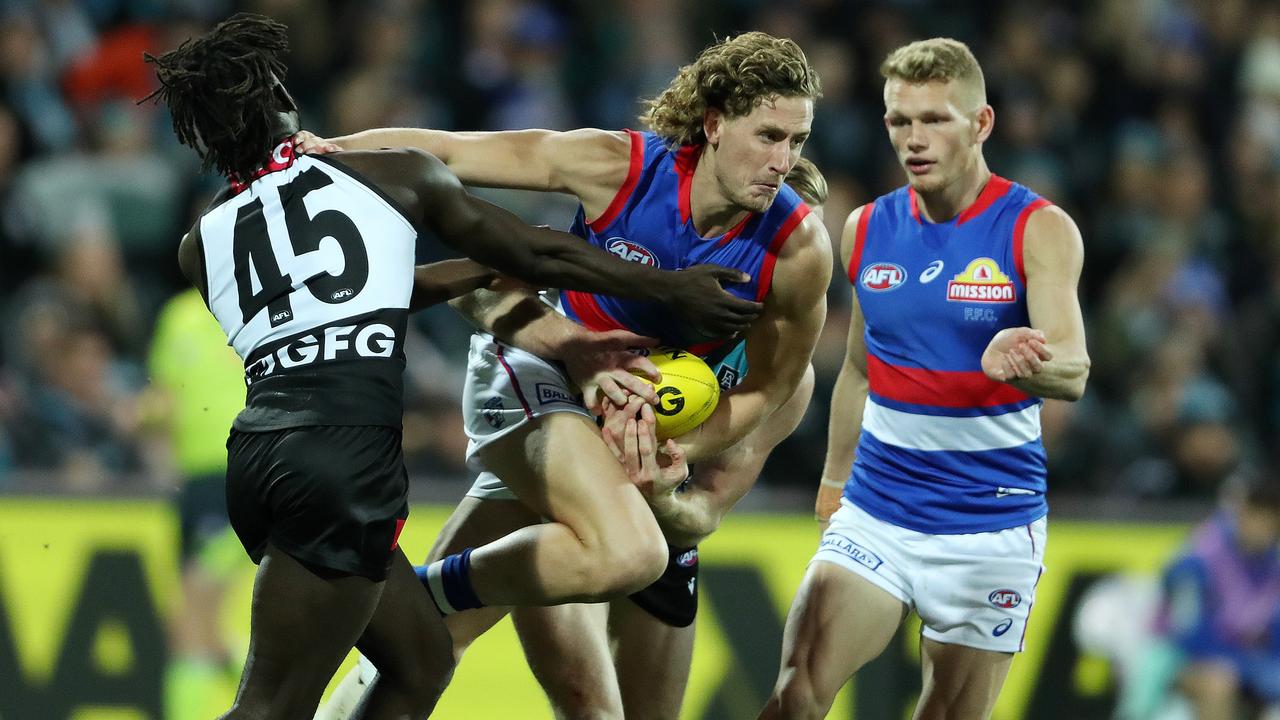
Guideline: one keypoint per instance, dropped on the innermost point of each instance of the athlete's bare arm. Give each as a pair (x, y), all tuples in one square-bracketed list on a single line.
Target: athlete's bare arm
[(543, 256), (779, 345), (589, 163), (442, 281), (598, 362), (849, 396), (1049, 359)]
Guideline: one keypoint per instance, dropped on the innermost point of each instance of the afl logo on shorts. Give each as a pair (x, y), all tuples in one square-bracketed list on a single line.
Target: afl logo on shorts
[(1005, 598), (631, 252), (688, 559), (880, 277)]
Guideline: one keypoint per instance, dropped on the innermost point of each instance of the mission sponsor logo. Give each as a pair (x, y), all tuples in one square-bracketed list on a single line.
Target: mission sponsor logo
[(982, 282), (631, 251), (882, 276)]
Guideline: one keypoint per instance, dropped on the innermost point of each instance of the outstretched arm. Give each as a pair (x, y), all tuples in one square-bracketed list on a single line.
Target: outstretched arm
[(546, 257), (598, 362), (443, 281), (589, 164), (1048, 359)]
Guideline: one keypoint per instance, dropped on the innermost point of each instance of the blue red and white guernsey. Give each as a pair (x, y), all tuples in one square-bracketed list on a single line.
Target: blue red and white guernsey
[(650, 222), (944, 449)]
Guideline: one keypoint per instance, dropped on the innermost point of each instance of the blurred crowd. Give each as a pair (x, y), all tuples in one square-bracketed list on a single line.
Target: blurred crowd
[(1155, 123)]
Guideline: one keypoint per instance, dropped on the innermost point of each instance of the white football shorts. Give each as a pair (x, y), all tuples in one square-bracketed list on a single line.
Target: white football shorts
[(507, 387), (973, 589)]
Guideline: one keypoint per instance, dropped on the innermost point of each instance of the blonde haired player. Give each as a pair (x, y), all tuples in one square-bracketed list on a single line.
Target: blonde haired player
[(706, 185), (965, 315)]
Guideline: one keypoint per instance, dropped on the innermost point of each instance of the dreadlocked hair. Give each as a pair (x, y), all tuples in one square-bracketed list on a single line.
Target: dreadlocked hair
[(220, 91)]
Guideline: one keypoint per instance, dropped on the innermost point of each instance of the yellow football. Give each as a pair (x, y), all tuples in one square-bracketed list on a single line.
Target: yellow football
[(687, 394)]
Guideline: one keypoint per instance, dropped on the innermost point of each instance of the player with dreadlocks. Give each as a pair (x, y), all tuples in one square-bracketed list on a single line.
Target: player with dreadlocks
[(307, 264)]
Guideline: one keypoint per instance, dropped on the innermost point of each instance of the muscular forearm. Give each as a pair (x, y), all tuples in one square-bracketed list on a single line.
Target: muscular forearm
[(737, 414), (848, 400), (441, 281), (550, 258), (520, 318), (687, 517), (1062, 378), (432, 141)]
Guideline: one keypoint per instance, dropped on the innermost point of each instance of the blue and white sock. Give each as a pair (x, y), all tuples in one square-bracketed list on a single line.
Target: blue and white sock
[(448, 581)]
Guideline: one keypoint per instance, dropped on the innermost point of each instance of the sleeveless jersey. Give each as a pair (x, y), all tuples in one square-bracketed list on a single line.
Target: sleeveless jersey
[(309, 270), (650, 222), (944, 449)]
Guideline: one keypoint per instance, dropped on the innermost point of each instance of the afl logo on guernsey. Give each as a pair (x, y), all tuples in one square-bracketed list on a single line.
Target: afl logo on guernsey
[(1005, 598), (982, 282), (880, 277), (631, 251)]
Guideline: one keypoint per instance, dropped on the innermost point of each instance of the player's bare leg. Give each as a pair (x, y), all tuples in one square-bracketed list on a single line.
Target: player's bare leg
[(603, 540), (960, 683), (837, 623), (473, 523), (567, 647), (302, 626), (407, 639), (652, 660)]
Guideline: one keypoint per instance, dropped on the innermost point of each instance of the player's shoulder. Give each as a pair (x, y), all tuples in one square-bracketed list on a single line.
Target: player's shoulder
[(1051, 235)]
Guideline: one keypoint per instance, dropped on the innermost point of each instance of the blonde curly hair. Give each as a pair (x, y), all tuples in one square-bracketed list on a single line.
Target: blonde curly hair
[(734, 76)]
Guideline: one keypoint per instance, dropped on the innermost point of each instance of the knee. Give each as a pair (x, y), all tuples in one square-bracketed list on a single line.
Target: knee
[(627, 565)]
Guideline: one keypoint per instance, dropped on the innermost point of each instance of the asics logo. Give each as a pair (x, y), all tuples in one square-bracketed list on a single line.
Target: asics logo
[(930, 273)]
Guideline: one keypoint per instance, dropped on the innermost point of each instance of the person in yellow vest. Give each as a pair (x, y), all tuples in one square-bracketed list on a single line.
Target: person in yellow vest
[(197, 388)]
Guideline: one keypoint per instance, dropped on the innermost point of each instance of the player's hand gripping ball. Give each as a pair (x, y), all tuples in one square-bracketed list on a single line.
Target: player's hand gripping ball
[(687, 394)]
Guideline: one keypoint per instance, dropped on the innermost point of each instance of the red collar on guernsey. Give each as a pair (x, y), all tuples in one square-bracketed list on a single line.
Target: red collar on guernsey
[(686, 161), (995, 189), (281, 157)]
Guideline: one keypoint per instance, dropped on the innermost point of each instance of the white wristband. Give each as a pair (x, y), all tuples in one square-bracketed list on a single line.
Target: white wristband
[(828, 482)]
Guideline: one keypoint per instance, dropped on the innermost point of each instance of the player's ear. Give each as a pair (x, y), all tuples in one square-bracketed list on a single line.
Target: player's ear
[(986, 122), (712, 124)]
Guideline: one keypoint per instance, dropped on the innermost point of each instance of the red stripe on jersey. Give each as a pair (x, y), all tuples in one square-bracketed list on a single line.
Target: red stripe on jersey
[(624, 193), (704, 349), (995, 189), (939, 388), (859, 239), (736, 230), (686, 161), (586, 308), (1018, 229), (395, 537), (775, 246)]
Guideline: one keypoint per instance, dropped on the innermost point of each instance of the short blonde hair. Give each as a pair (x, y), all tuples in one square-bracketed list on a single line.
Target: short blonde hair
[(807, 180), (937, 59), (733, 76)]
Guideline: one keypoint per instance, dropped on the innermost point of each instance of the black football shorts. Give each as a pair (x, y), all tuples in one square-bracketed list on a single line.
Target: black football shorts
[(330, 496)]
